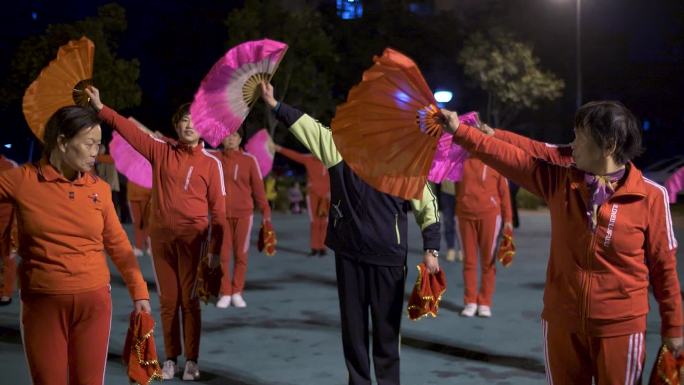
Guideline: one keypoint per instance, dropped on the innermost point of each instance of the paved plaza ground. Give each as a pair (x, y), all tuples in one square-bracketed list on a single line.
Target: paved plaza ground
[(290, 331)]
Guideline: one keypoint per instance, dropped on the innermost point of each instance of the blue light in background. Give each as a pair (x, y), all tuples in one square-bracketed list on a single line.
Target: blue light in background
[(646, 125), (349, 9), (34, 15), (8, 145)]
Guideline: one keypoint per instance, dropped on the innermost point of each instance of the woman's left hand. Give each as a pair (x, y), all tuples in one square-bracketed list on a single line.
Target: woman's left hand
[(142, 305)]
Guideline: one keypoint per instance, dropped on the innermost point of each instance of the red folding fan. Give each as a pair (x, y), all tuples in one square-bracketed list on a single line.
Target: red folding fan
[(388, 129)]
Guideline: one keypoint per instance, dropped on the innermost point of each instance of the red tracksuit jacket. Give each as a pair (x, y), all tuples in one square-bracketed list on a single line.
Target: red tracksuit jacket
[(597, 281), (187, 185), (482, 192), (244, 184)]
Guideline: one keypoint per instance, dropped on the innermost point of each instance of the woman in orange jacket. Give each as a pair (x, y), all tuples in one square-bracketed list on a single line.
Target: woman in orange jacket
[(244, 186), (188, 199), (483, 202), (611, 238), (317, 197), (66, 224)]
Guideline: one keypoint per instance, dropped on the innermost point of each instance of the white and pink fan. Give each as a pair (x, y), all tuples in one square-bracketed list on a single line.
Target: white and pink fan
[(449, 156), (231, 88), (130, 162), (261, 146)]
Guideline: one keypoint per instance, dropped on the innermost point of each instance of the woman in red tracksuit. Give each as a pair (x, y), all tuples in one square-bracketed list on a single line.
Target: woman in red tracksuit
[(188, 204), (317, 197), (482, 203), (244, 186), (139, 201), (611, 237), (8, 247)]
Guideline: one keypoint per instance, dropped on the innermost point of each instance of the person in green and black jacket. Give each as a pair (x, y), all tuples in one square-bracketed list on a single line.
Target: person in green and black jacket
[(367, 230)]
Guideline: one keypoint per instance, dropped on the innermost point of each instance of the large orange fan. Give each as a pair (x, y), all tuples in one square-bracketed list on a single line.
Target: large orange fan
[(388, 129), (60, 84)]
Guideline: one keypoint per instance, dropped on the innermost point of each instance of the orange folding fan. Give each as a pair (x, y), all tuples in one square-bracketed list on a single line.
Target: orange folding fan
[(60, 84), (388, 129)]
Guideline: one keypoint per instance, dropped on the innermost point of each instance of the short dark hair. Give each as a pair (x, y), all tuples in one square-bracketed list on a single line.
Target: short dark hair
[(68, 121), (611, 124), (183, 110)]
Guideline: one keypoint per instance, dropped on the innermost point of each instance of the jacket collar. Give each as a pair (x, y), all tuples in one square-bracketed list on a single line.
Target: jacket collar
[(632, 184), (49, 173), (189, 149)]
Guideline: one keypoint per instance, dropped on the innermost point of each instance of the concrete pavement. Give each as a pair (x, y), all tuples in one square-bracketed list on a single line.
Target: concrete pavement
[(289, 333)]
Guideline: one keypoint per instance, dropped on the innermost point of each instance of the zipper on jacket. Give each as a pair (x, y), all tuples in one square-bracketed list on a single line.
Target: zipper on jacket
[(586, 285), (235, 172), (396, 228), (187, 178)]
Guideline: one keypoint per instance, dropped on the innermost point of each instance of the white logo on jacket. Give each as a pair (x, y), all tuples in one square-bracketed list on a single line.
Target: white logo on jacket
[(611, 225)]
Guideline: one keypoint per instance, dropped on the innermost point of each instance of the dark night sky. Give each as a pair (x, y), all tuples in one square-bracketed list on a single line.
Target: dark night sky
[(632, 51)]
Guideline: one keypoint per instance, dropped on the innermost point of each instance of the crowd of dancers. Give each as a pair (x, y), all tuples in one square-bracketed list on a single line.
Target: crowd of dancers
[(612, 239)]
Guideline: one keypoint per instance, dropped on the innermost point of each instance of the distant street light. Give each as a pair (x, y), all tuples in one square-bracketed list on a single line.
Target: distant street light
[(443, 96), (578, 56)]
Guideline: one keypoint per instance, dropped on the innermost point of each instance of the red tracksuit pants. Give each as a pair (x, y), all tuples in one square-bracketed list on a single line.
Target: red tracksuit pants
[(236, 244), (479, 235), (66, 336), (175, 269), (9, 274), (576, 359), (139, 214), (319, 223)]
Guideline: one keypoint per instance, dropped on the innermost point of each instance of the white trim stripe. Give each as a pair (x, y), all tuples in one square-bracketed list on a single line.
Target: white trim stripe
[(245, 246), (235, 171), (497, 229), (257, 164), (156, 139), (547, 363), (220, 168), (672, 241), (628, 370), (635, 354)]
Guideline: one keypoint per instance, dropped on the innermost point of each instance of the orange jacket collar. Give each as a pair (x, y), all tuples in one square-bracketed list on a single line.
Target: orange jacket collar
[(48, 172)]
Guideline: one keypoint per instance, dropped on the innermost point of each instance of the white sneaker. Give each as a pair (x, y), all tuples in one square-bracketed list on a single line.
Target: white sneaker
[(484, 311), (469, 310), (149, 251), (191, 372), (451, 255), (223, 302), (459, 256), (238, 301), (169, 370), (137, 252)]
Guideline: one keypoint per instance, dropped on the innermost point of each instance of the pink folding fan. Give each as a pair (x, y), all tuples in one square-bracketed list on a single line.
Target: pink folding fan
[(449, 156), (261, 146), (129, 161), (231, 88)]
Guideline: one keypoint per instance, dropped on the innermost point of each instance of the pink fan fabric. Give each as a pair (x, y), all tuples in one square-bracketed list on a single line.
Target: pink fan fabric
[(219, 107), (258, 145), (674, 184), (449, 157), (129, 161)]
